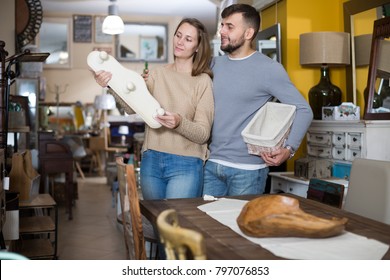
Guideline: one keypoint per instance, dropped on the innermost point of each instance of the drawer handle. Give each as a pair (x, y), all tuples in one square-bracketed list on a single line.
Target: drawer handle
[(319, 137), (338, 152), (354, 139), (354, 154), (339, 138)]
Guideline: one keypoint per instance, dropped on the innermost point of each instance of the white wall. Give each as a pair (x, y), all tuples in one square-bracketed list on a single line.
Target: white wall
[(81, 84)]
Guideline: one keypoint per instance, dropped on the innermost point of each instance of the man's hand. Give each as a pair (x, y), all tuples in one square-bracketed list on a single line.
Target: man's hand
[(276, 158)]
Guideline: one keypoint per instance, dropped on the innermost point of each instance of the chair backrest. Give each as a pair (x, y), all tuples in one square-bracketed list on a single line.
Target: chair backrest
[(130, 211), (180, 243), (369, 189)]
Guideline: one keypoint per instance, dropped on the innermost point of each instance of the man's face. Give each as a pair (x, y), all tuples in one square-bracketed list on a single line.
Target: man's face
[(232, 33)]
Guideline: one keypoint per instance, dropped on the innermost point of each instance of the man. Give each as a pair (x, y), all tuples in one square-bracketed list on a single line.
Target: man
[(244, 80)]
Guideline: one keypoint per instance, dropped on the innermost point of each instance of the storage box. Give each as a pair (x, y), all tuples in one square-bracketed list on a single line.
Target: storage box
[(341, 170), (312, 168), (268, 129), (345, 112), (326, 192)]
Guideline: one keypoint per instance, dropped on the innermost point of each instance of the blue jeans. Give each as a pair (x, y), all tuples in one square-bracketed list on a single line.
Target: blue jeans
[(166, 175), (220, 180)]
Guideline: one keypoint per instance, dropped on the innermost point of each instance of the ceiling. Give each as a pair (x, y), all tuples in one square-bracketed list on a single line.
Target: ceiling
[(204, 10)]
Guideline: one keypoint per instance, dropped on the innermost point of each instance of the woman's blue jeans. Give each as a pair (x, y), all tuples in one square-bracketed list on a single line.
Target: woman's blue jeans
[(165, 175)]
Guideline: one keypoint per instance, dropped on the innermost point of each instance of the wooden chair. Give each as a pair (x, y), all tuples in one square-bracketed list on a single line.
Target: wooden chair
[(136, 228), (180, 243)]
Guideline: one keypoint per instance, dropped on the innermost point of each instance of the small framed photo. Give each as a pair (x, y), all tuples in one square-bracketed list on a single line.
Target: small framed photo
[(101, 37), (148, 47)]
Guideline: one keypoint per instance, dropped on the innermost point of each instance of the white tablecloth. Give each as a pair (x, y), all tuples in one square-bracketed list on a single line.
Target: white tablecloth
[(347, 246)]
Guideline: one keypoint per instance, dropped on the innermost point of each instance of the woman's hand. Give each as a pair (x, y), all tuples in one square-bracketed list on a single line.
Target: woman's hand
[(169, 120), (145, 74), (102, 77)]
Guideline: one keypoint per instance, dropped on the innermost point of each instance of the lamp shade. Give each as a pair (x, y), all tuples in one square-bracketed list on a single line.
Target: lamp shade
[(105, 102), (362, 49), (113, 24), (332, 48), (123, 130)]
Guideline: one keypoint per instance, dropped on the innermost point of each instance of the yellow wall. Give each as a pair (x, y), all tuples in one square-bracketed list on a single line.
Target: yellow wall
[(302, 16)]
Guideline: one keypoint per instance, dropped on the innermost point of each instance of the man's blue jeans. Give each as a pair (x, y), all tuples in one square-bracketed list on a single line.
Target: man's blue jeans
[(220, 180), (165, 175)]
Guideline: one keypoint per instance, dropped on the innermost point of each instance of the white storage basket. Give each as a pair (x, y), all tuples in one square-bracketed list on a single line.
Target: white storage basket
[(269, 128)]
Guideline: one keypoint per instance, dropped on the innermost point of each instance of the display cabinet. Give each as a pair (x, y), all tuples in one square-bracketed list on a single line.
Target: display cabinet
[(347, 140)]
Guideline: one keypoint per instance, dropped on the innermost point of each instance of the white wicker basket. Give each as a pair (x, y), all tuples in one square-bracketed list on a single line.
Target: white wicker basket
[(269, 128)]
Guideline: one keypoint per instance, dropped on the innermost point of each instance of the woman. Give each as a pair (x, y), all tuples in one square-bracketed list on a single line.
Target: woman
[(173, 155)]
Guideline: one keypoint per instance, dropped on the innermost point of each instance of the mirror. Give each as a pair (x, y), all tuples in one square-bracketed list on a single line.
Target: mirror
[(353, 8), (377, 103), (54, 38), (142, 42), (268, 42)]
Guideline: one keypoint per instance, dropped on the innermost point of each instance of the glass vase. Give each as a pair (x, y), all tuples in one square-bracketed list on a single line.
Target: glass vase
[(324, 94)]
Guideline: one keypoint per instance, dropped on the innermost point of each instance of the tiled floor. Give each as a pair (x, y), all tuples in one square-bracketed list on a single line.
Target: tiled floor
[(93, 234)]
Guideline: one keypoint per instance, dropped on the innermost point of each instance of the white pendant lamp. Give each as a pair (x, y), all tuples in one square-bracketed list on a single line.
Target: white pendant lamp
[(113, 24)]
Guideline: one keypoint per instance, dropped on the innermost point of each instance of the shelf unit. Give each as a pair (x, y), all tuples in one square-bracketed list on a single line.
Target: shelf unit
[(38, 233)]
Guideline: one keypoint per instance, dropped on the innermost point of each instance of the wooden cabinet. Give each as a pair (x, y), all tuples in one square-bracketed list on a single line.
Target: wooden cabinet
[(38, 232)]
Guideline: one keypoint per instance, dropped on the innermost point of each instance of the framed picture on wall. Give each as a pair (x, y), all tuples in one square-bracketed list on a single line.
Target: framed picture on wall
[(101, 37), (82, 29), (148, 48)]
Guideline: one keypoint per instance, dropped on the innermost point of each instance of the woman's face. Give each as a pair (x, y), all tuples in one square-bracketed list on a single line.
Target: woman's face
[(185, 41)]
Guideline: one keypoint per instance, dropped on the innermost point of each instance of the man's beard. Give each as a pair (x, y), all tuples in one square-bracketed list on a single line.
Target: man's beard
[(229, 48)]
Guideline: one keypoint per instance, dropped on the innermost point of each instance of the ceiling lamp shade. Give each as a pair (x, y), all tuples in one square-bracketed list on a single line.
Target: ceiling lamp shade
[(113, 24)]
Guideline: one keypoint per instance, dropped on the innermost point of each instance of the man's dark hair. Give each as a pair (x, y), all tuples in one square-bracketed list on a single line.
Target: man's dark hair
[(249, 13)]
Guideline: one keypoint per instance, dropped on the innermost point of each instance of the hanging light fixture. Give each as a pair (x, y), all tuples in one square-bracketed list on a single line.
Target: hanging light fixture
[(113, 24)]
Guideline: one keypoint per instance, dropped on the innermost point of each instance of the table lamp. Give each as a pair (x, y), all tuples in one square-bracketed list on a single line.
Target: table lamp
[(324, 49), (104, 102), (123, 130)]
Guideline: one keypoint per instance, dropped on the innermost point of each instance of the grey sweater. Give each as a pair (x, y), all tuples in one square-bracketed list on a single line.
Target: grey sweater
[(241, 88)]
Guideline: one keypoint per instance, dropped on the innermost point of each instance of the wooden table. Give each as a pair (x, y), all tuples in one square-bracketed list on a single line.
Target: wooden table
[(224, 243)]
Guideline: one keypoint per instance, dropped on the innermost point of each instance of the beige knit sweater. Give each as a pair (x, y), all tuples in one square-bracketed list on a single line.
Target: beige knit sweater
[(192, 98)]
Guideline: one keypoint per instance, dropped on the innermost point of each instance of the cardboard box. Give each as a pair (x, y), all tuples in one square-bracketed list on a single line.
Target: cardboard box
[(345, 112)]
